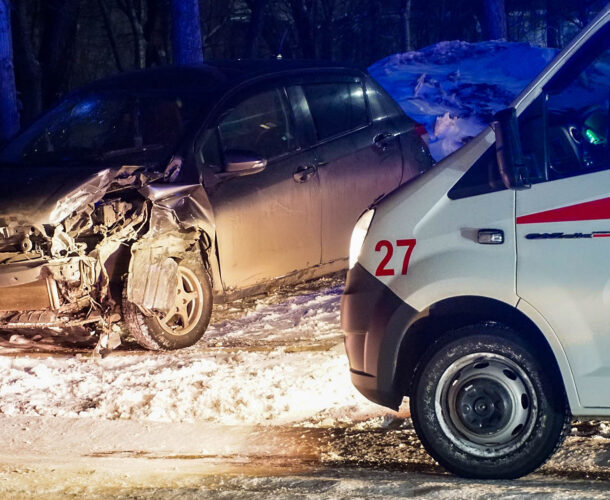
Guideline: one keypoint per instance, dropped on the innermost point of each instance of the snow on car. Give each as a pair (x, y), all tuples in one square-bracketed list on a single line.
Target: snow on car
[(454, 87)]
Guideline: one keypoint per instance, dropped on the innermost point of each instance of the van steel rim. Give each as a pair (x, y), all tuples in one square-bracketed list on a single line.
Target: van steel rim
[(486, 404)]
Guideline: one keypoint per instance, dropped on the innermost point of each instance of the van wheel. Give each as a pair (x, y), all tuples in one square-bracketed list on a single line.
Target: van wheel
[(485, 406), (186, 322)]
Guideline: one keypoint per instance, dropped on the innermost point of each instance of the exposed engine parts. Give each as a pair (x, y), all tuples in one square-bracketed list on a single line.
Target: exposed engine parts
[(56, 277)]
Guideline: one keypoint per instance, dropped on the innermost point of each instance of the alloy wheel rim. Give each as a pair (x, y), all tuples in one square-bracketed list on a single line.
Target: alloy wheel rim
[(186, 311)]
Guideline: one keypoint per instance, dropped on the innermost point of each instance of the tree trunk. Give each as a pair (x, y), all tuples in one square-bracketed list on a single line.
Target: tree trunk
[(135, 20), (327, 30), (372, 33), (553, 33), (493, 20), (154, 44), (255, 27), (303, 28), (59, 32), (27, 68), (110, 33), (406, 19), (187, 47), (9, 115)]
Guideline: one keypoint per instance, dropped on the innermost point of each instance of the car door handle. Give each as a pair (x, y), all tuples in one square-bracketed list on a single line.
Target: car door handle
[(304, 172), (383, 142)]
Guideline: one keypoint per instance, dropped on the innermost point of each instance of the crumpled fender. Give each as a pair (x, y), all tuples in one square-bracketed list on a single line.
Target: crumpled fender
[(178, 217), (189, 203)]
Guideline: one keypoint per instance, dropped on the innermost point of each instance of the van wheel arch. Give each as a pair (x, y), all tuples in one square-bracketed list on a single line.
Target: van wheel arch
[(455, 313)]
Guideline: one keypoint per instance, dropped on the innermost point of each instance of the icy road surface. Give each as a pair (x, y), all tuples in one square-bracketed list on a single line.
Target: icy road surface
[(261, 408)]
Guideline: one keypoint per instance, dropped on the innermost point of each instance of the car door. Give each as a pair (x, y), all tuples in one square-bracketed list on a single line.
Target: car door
[(358, 160), (267, 223), (563, 219)]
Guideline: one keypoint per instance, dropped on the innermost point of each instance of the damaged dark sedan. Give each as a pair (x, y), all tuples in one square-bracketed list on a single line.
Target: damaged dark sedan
[(139, 200)]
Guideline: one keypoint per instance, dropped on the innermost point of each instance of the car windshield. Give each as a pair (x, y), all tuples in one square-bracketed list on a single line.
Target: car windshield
[(105, 127)]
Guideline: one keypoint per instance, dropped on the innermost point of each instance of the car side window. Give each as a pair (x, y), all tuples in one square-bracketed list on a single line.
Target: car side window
[(260, 124), (382, 106), (336, 107)]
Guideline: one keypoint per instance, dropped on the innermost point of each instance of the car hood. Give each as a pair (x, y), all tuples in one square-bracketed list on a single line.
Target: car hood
[(47, 195)]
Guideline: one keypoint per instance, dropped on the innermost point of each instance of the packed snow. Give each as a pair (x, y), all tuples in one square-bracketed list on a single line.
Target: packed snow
[(455, 87), (277, 361), (262, 407)]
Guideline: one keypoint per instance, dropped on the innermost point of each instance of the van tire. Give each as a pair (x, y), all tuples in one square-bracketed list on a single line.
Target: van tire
[(485, 404), (158, 332)]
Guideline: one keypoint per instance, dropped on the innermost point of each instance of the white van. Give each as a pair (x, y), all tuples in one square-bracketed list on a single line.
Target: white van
[(481, 290)]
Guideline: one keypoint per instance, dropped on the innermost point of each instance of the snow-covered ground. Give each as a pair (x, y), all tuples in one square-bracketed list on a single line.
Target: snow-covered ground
[(261, 408), (454, 88), (276, 361)]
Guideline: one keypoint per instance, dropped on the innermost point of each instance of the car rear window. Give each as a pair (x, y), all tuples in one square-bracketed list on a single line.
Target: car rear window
[(336, 107)]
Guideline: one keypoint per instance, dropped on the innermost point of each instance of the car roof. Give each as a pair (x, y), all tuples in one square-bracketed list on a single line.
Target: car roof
[(214, 76)]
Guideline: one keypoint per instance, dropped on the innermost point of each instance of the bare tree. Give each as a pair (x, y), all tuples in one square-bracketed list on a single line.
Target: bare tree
[(493, 20), (9, 115), (327, 13), (553, 29), (27, 67), (134, 11), (255, 26), (110, 33), (406, 19), (187, 47), (56, 47), (301, 10)]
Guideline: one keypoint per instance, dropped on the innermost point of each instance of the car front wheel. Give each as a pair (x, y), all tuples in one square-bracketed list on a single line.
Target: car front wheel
[(186, 321), (486, 406)]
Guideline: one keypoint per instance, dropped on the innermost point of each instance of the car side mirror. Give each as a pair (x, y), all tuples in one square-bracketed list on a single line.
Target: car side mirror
[(509, 152), (241, 162)]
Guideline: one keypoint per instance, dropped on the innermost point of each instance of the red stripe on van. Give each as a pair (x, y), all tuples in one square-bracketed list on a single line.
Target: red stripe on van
[(591, 210)]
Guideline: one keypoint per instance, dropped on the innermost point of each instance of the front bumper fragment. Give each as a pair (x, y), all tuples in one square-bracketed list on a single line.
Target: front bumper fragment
[(374, 320)]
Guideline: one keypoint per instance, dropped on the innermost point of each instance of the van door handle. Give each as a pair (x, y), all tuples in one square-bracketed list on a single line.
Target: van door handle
[(304, 173), (383, 142), (490, 236)]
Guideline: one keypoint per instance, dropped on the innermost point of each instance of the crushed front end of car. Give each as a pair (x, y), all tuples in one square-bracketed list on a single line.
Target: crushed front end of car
[(56, 259), (65, 258)]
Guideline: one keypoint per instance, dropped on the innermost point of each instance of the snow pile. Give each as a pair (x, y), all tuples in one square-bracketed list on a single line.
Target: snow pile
[(454, 88), (280, 361), (255, 388)]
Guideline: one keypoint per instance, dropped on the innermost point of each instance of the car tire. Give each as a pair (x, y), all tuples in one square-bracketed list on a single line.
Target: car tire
[(186, 323), (486, 405)]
